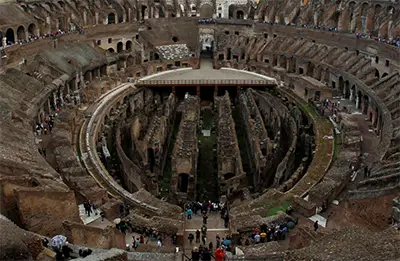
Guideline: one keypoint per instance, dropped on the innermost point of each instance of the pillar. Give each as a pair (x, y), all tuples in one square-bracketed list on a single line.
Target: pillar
[(4, 42), (84, 18), (96, 15), (357, 102), (351, 95)]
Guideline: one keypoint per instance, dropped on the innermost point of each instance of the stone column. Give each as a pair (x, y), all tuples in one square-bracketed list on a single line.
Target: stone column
[(96, 15), (351, 95), (4, 42), (357, 101), (48, 22), (55, 100), (84, 18)]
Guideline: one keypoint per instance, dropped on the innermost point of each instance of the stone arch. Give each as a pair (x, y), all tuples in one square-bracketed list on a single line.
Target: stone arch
[(10, 35), (384, 75), (206, 11), (341, 85), (111, 18), (143, 12), (120, 47), (239, 14), (377, 74), (128, 46), (183, 182), (334, 20), (365, 104), (310, 69), (32, 29), (111, 50), (21, 33)]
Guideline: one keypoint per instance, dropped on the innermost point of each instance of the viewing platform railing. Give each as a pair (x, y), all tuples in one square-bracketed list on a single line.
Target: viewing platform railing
[(214, 82)]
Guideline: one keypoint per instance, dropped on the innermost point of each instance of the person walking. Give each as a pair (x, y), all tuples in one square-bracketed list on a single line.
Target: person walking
[(197, 236), (316, 226), (189, 213)]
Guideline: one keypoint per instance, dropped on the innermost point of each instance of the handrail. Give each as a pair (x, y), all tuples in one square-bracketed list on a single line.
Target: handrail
[(201, 82)]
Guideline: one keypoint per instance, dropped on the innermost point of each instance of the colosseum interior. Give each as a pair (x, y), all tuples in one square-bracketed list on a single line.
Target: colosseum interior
[(268, 115)]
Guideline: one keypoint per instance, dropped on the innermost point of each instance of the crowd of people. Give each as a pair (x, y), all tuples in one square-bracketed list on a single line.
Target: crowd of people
[(265, 233), (32, 38)]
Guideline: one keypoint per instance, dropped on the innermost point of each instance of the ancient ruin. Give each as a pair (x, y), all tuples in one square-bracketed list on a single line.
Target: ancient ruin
[(123, 121)]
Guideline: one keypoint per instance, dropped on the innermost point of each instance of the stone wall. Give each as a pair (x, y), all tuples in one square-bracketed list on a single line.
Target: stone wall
[(43, 211), (185, 152), (230, 168), (80, 234)]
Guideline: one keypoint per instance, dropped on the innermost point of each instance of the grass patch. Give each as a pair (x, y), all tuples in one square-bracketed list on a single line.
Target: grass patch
[(273, 211)]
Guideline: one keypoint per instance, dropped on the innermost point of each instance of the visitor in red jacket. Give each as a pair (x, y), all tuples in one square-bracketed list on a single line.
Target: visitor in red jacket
[(219, 254)]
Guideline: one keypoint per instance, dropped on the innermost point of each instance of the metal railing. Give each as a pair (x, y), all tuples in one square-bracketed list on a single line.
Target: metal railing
[(205, 82)]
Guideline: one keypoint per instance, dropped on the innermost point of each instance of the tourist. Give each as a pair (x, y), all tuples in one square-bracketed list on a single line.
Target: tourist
[(210, 246), (197, 236), (191, 237), (205, 219), (195, 254), (87, 207), (203, 239), (189, 213), (226, 220), (257, 238), (159, 243), (263, 236), (205, 255), (316, 226), (219, 254), (204, 230)]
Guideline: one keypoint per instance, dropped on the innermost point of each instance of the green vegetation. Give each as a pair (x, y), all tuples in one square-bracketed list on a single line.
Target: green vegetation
[(273, 211), (167, 173), (207, 172)]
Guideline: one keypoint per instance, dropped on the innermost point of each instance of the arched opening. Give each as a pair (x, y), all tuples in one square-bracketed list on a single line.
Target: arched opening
[(384, 75), (175, 39), (129, 46), (366, 103), (21, 33), (183, 182), (206, 11), (32, 30), (341, 85), (239, 14), (310, 69), (347, 90), (10, 36), (352, 93), (150, 159), (358, 102), (228, 175), (111, 18), (376, 74), (111, 50), (120, 47), (143, 11)]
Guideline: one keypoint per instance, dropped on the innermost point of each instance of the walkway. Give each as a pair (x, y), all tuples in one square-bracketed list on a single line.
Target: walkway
[(207, 71), (215, 225)]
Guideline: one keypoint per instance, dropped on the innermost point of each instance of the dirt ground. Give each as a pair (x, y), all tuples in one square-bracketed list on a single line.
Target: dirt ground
[(369, 213)]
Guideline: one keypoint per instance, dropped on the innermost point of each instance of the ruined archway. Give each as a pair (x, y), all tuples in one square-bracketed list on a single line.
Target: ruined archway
[(111, 18), (206, 11), (377, 74), (10, 36), (128, 46), (32, 29), (21, 33), (183, 182), (239, 14), (120, 47)]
